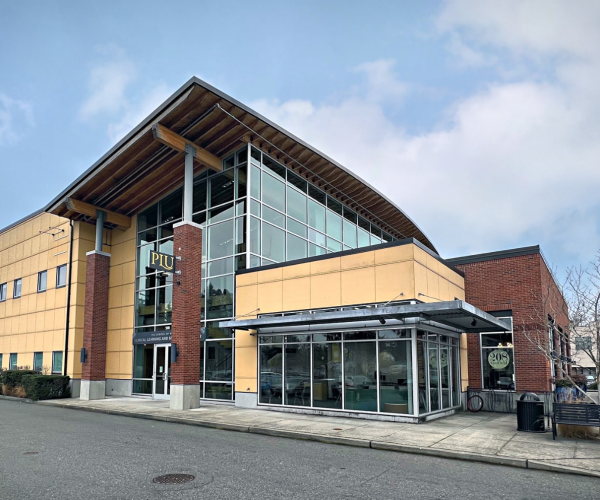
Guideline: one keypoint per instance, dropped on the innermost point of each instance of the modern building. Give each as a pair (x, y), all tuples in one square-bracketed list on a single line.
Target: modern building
[(212, 255)]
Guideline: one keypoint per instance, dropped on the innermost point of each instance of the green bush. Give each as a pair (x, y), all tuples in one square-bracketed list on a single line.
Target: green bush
[(13, 378), (46, 386), (593, 386)]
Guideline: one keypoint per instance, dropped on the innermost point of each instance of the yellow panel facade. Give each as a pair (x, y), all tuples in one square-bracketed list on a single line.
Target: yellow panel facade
[(37, 321), (372, 276)]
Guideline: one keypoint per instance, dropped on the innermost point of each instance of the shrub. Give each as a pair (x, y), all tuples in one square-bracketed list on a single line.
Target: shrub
[(593, 386), (12, 378), (46, 386), (563, 382)]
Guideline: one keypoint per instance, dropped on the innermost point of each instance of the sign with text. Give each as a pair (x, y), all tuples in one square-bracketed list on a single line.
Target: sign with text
[(162, 262), (161, 337)]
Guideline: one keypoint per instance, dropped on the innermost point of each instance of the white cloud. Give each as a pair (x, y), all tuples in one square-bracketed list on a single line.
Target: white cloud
[(512, 164), (111, 96), (108, 82), (15, 116)]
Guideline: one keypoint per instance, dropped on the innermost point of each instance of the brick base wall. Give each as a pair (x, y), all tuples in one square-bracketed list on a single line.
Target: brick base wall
[(187, 300), (95, 325)]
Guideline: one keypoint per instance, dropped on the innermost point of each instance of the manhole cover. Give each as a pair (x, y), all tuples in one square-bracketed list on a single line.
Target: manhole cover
[(173, 479), (31, 453)]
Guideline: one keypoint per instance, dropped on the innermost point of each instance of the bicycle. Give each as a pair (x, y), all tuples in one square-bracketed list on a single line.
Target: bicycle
[(475, 403)]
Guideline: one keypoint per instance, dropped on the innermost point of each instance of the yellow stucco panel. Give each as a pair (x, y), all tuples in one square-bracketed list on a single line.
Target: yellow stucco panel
[(357, 286)]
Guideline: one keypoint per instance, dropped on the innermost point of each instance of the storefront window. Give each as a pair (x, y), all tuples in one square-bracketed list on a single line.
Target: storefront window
[(297, 374), (360, 383), (327, 374), (395, 377), (497, 359), (271, 373)]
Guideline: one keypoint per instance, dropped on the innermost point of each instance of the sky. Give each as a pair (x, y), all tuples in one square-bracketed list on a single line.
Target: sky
[(480, 119)]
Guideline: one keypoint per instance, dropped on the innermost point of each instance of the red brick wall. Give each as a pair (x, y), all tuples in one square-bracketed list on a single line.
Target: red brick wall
[(519, 284), (187, 291), (95, 324)]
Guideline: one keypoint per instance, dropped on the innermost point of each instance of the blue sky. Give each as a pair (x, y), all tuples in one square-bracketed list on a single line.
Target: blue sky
[(479, 119)]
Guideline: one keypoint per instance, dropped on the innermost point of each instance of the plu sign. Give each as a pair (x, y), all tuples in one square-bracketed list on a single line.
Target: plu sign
[(162, 262)]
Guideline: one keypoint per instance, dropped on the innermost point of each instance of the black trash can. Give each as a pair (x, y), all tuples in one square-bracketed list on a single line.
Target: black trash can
[(530, 413)]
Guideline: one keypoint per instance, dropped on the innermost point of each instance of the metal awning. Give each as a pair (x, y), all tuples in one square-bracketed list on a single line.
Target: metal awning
[(456, 314)]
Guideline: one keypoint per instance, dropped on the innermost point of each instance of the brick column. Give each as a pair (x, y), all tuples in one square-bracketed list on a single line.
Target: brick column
[(93, 370), (185, 332)]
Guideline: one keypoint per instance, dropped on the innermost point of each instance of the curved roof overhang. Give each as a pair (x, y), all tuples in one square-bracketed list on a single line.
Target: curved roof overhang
[(139, 169)]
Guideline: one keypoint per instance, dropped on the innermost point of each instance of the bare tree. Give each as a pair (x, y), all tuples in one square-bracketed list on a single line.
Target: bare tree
[(583, 288), (574, 304)]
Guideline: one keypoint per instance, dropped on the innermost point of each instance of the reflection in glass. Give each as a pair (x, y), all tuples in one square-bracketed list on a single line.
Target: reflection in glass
[(314, 250), (273, 243), (148, 218), (456, 377), (270, 374), (171, 207), (296, 228), (434, 373), (143, 361), (219, 293), (146, 302), (445, 376), (219, 360), (274, 217), (395, 377), (221, 213), (296, 247), (360, 386), (199, 203), (423, 376), (363, 238), (218, 391), (334, 225), (349, 234), (255, 175), (296, 204), (297, 374), (221, 188), (274, 192), (316, 216), (327, 375), (220, 240), (254, 238), (165, 305)]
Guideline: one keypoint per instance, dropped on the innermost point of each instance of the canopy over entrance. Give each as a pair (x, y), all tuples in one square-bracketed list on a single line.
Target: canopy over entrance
[(456, 314)]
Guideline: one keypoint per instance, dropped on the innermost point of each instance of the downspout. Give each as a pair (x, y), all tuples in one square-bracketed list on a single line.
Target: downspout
[(70, 266)]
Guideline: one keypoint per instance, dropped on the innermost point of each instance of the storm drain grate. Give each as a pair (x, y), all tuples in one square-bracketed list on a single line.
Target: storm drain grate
[(174, 479)]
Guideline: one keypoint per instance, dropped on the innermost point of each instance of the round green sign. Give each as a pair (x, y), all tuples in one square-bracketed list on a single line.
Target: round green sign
[(498, 359)]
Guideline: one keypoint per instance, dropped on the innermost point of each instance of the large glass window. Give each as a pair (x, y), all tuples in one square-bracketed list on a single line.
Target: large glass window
[(395, 377), (271, 374), (297, 374), (497, 360), (327, 375), (360, 385)]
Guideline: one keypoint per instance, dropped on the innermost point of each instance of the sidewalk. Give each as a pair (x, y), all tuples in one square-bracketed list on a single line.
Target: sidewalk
[(481, 437)]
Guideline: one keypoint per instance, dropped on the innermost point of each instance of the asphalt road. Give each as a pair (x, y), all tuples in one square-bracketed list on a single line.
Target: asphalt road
[(55, 453)]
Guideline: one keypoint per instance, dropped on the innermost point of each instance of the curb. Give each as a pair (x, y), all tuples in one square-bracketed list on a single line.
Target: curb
[(16, 400), (522, 463)]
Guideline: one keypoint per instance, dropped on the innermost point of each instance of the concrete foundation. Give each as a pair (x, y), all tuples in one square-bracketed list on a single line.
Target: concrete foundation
[(92, 389), (185, 397), (118, 387), (246, 399), (75, 385)]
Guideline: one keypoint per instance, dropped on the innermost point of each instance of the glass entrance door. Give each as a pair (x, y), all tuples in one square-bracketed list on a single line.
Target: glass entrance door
[(162, 371)]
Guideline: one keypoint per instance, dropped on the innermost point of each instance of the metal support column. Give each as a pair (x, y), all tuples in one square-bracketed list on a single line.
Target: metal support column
[(100, 218), (188, 188)]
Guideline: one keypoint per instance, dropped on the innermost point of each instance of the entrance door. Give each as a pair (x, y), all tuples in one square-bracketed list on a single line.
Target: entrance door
[(162, 371)]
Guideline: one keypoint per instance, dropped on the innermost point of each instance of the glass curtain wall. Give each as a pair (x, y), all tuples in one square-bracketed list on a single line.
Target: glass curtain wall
[(287, 219), (291, 219), (438, 371), (366, 371)]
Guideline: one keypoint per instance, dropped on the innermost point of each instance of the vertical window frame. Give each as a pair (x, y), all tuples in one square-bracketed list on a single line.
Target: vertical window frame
[(58, 268), (39, 283), (18, 281)]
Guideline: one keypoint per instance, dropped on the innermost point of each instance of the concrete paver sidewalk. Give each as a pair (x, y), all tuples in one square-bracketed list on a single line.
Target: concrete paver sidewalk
[(484, 437)]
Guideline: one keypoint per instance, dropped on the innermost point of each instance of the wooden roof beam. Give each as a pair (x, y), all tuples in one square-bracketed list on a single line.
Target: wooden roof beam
[(178, 143), (90, 210)]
